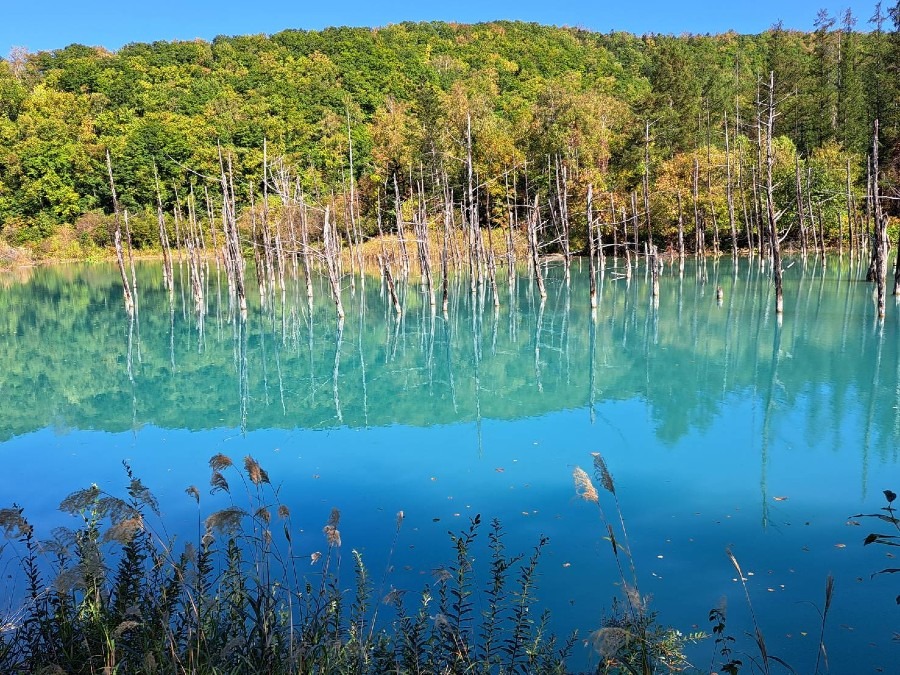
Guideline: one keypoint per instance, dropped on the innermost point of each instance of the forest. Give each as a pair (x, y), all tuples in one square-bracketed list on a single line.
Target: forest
[(653, 138)]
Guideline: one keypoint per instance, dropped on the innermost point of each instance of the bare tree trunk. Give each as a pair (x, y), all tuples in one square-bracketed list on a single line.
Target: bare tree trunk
[(729, 193), (637, 234), (680, 237), (709, 199), (445, 281), (698, 228), (332, 256), (591, 249), (646, 185), (801, 211), (233, 242), (562, 189), (168, 279), (533, 219), (398, 210), (850, 232), (392, 290), (120, 258), (881, 239), (773, 217)]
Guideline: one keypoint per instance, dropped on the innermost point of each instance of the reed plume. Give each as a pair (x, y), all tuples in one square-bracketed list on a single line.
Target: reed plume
[(218, 462), (602, 473), (227, 521), (584, 488), (256, 473)]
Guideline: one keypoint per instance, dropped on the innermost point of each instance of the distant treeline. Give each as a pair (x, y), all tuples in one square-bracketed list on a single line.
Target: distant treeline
[(656, 125)]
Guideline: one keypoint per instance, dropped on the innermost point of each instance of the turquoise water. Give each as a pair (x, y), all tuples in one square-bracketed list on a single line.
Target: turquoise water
[(720, 427)]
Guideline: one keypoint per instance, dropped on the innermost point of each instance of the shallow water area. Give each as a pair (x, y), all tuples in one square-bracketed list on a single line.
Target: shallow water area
[(722, 429)]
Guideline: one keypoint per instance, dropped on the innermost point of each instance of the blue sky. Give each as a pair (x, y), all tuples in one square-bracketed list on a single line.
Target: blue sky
[(52, 24)]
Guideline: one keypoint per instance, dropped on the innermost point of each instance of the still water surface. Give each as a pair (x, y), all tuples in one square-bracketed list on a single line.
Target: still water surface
[(721, 429)]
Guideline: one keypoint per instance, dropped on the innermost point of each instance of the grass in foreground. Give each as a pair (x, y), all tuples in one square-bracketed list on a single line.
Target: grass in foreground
[(114, 596)]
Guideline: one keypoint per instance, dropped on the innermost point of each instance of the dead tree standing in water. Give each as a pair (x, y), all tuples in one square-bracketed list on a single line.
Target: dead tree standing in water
[(533, 219), (880, 252), (591, 247), (120, 258), (332, 253), (772, 215)]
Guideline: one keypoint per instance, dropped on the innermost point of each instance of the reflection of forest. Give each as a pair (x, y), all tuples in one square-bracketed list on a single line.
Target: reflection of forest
[(64, 345)]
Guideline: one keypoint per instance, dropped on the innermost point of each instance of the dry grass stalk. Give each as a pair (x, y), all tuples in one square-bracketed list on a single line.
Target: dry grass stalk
[(584, 488), (256, 473), (603, 473), (218, 462), (226, 521)]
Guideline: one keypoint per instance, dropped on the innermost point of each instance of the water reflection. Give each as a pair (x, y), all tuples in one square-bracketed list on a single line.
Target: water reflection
[(687, 352), (707, 411)]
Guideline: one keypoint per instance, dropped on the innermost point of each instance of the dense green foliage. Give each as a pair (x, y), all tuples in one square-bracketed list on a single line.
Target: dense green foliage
[(407, 93)]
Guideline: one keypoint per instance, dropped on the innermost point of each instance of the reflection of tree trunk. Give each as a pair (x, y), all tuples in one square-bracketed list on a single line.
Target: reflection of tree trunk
[(129, 360), (265, 364), (172, 333), (277, 349), (336, 371), (870, 413), (592, 327), (537, 345), (476, 359), (767, 424), (429, 363), (243, 374), (448, 338)]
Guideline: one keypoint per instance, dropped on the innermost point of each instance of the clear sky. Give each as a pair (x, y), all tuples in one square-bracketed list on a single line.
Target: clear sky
[(52, 24)]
